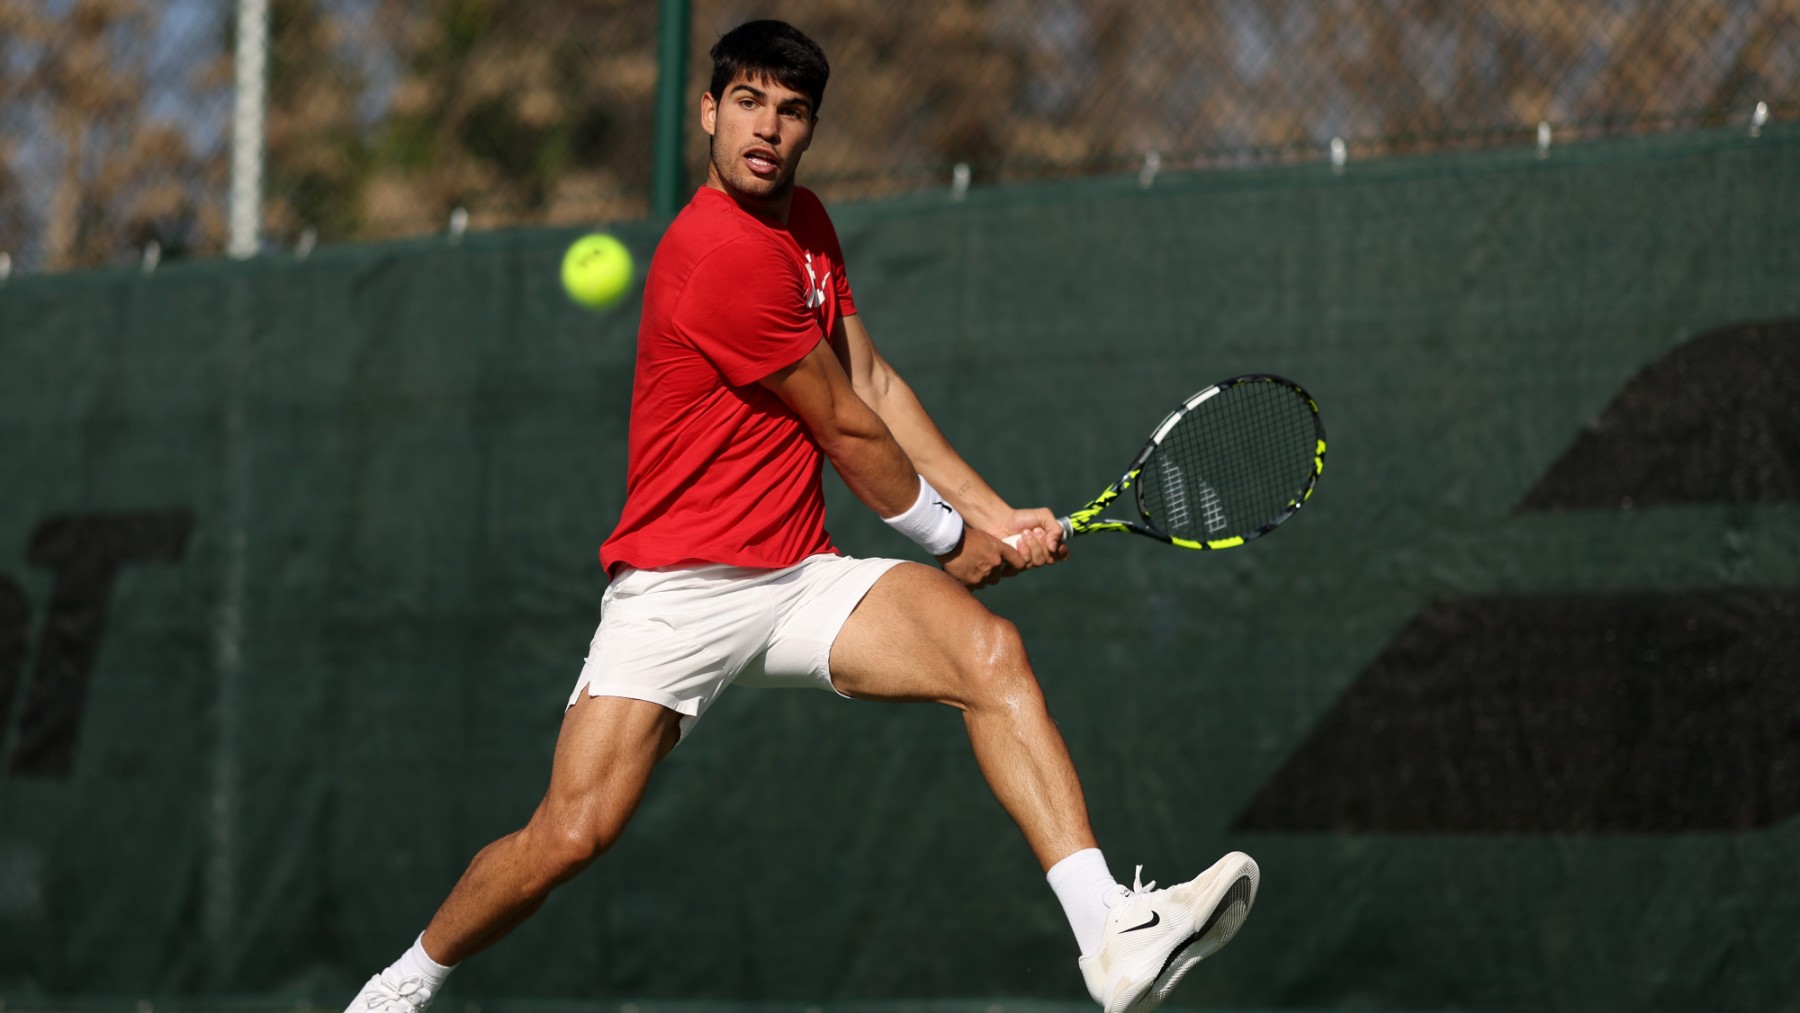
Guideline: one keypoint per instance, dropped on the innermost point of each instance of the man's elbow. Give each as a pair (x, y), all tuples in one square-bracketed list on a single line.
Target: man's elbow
[(877, 385), (849, 432)]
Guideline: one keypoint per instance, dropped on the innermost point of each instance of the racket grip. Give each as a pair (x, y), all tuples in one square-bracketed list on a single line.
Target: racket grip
[(1012, 541)]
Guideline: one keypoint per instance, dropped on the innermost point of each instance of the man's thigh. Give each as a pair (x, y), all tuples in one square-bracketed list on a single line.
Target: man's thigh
[(605, 753), (914, 637)]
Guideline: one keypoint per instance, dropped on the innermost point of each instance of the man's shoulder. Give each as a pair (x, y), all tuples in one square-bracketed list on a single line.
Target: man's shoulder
[(808, 219), (808, 204), (704, 234), (710, 223)]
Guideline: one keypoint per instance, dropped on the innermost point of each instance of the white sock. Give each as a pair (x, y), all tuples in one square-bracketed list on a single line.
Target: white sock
[(416, 963), (1082, 882)]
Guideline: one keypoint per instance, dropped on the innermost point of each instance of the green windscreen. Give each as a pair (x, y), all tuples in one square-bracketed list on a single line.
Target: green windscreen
[(297, 569)]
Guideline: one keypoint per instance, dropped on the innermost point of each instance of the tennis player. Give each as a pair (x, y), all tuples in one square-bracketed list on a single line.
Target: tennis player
[(753, 368)]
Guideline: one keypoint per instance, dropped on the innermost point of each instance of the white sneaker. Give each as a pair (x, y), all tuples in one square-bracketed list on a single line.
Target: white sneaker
[(392, 995), (1154, 936)]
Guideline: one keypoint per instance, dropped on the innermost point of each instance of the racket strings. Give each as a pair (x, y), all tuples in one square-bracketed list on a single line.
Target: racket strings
[(1233, 466)]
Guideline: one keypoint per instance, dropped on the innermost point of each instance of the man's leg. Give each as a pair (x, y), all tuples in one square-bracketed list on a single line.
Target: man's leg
[(918, 635), (605, 753)]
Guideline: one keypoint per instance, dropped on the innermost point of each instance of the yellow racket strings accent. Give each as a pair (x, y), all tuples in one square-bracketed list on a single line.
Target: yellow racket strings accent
[(1083, 520)]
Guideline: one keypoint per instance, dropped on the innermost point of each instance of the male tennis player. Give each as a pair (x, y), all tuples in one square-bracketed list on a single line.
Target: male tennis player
[(753, 367)]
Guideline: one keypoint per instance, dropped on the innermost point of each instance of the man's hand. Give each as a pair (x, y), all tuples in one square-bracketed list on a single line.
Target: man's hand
[(1040, 537), (983, 559)]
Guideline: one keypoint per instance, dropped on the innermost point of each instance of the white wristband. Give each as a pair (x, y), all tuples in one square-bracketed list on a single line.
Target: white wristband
[(931, 522)]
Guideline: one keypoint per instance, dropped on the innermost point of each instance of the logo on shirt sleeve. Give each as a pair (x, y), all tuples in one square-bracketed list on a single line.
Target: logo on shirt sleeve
[(815, 296)]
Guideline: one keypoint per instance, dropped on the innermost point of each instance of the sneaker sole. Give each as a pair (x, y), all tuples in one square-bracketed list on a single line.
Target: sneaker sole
[(1228, 915)]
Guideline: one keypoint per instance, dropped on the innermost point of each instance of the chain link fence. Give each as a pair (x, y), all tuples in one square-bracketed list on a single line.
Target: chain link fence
[(391, 118)]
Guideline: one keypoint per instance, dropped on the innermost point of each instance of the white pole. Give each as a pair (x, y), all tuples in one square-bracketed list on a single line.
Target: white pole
[(247, 127), (219, 909)]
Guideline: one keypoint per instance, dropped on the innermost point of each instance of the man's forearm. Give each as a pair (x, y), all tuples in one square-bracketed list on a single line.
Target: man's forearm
[(931, 453), (874, 467), (852, 434)]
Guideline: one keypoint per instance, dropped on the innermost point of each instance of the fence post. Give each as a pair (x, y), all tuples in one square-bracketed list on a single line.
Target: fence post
[(251, 64), (669, 179)]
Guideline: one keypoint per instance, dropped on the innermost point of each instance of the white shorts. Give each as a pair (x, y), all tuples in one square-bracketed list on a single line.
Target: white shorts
[(678, 636)]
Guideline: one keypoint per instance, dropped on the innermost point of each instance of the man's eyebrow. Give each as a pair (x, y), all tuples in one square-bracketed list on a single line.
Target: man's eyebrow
[(763, 96)]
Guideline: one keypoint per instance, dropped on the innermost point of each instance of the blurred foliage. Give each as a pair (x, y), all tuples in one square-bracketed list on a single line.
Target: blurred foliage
[(384, 116), (90, 168)]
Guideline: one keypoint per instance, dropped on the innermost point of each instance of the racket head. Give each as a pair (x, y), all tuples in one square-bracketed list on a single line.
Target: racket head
[(1230, 464)]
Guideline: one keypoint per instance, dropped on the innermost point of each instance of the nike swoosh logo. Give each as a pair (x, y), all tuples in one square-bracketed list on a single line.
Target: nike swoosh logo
[(945, 506), (1155, 919)]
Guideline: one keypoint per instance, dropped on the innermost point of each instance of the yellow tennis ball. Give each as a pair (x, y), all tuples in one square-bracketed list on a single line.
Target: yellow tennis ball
[(596, 270)]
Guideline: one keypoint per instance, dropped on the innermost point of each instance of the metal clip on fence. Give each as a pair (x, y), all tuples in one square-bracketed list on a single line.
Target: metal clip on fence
[(959, 181), (1758, 118), (1147, 174), (1543, 150), (1340, 153)]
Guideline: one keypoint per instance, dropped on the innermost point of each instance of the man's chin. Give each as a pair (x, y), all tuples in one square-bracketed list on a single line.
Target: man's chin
[(768, 188), (757, 188)]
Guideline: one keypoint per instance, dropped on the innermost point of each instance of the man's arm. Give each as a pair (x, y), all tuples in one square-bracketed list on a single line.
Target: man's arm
[(871, 462), (879, 386)]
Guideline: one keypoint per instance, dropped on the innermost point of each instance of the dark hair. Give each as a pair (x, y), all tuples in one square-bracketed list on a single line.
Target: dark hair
[(774, 50)]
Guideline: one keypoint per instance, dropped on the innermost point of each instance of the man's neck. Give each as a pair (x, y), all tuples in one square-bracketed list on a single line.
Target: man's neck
[(774, 207)]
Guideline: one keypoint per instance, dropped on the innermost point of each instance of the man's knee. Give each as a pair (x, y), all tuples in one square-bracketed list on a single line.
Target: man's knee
[(995, 668), (563, 845)]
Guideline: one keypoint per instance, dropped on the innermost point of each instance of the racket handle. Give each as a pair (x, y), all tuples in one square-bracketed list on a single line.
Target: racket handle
[(1012, 541)]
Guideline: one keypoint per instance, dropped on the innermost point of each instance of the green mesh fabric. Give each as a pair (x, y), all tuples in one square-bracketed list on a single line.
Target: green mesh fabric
[(297, 567)]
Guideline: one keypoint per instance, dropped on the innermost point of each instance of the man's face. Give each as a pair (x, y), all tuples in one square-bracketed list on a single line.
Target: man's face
[(759, 131)]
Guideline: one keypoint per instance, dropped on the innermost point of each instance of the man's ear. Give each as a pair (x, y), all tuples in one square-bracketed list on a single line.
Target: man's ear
[(709, 112)]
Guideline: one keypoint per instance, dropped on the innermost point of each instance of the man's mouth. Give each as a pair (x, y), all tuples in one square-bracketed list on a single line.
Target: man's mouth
[(761, 162)]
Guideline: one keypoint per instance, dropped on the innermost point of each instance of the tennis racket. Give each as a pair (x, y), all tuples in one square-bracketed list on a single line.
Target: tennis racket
[(1226, 467)]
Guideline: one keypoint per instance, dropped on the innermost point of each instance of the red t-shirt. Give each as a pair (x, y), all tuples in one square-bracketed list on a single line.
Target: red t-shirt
[(719, 469)]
